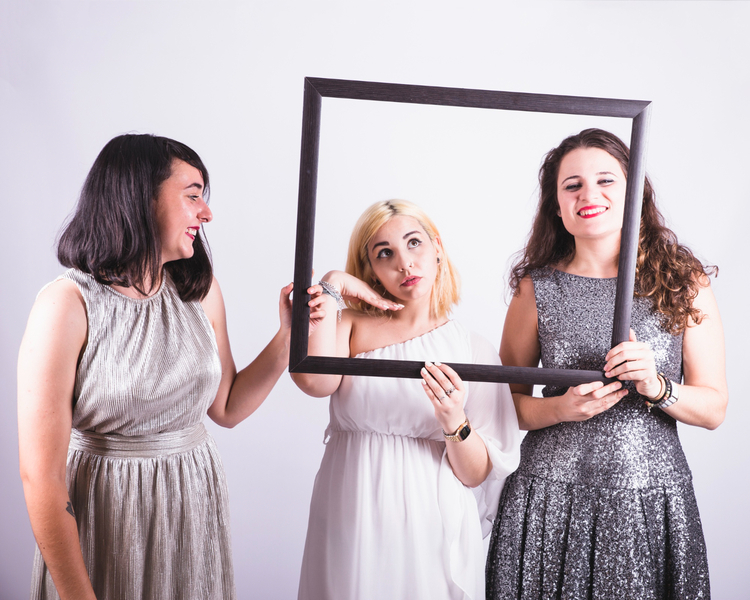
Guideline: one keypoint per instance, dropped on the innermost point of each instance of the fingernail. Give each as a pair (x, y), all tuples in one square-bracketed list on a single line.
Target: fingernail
[(437, 364), (427, 363)]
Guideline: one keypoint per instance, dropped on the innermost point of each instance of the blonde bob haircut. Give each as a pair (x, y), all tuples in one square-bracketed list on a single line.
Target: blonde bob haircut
[(445, 290)]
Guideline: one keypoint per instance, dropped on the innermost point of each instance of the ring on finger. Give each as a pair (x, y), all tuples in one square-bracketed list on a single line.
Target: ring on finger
[(450, 390), (443, 397)]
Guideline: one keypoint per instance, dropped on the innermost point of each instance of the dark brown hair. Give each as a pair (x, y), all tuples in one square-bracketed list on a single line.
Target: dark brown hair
[(666, 272), (113, 233)]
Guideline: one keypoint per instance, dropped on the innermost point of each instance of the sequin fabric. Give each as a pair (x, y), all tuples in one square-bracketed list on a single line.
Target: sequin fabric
[(144, 476), (603, 508)]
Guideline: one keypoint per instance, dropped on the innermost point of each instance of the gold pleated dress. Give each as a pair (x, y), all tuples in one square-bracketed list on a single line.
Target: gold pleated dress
[(144, 476)]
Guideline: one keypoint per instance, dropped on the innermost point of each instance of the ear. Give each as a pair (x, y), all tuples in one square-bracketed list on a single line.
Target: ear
[(438, 244)]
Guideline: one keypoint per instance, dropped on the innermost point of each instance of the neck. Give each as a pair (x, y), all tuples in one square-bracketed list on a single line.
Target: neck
[(416, 315), (146, 286), (597, 258)]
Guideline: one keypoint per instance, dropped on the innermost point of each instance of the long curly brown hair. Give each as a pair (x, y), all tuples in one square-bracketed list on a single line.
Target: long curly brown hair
[(666, 271)]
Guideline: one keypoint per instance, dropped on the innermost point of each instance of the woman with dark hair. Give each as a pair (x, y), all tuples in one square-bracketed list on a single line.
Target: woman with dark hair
[(122, 358), (602, 505)]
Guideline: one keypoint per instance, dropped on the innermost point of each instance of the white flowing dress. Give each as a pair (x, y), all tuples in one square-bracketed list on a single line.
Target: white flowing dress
[(388, 517)]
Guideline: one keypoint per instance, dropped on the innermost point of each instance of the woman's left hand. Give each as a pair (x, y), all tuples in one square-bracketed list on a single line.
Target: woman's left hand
[(446, 391), (285, 311), (634, 361)]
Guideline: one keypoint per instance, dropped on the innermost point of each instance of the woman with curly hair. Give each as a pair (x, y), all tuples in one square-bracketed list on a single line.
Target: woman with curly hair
[(602, 504)]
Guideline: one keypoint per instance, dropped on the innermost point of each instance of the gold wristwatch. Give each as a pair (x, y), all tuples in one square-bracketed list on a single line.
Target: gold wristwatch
[(463, 431)]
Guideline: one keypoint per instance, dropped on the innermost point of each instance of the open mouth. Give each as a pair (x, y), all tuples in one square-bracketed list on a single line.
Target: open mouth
[(591, 211), (192, 232)]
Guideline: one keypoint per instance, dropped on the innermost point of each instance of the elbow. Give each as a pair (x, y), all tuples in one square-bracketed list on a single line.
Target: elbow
[(716, 419), (718, 415), (317, 386)]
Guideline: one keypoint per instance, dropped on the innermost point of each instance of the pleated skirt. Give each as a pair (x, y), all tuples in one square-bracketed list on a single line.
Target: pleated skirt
[(566, 541), (152, 514)]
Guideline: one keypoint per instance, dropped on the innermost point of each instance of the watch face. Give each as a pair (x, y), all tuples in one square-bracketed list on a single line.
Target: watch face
[(464, 433)]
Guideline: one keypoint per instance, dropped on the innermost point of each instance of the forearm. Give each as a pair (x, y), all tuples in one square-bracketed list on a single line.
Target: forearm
[(469, 460), (254, 383), (535, 413), (322, 342), (699, 406), (56, 535)]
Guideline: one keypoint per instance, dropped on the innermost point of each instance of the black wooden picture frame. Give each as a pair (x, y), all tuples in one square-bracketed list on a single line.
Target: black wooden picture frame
[(317, 88)]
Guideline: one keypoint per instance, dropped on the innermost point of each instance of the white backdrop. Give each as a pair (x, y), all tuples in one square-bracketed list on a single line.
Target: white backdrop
[(226, 78)]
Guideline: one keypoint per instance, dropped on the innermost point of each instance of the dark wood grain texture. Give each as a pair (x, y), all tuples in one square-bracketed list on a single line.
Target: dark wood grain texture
[(316, 88), (422, 94), (410, 369), (303, 253), (631, 226)]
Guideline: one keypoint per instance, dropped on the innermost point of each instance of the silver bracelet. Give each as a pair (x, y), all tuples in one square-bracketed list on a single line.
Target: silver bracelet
[(330, 290)]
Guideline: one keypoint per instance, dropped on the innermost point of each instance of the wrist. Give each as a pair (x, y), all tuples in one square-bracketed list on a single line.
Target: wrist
[(459, 434), (658, 394), (335, 279)]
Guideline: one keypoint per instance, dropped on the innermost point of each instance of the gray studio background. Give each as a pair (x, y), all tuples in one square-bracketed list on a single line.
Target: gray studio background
[(226, 78)]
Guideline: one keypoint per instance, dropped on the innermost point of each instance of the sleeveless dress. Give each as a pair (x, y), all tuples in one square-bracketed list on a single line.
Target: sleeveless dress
[(388, 518), (602, 508), (144, 476)]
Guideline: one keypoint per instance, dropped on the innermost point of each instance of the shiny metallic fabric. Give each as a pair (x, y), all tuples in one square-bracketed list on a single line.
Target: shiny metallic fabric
[(144, 476), (603, 508)]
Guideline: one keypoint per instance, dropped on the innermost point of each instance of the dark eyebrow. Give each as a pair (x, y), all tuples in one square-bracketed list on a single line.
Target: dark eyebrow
[(599, 173), (195, 185), (388, 244)]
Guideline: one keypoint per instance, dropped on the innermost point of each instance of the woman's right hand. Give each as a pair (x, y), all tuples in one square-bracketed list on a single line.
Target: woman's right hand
[(352, 288), (587, 400)]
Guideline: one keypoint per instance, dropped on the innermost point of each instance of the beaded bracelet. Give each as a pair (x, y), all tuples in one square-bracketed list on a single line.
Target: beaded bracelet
[(330, 290), (665, 399)]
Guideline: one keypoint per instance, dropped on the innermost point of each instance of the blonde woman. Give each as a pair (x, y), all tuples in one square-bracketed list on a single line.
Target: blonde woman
[(393, 514)]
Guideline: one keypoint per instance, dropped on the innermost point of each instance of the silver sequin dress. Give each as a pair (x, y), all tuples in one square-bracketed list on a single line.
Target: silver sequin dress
[(604, 508), (144, 476)]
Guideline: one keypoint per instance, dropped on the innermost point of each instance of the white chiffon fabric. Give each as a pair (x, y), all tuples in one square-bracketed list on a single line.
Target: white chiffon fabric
[(388, 518)]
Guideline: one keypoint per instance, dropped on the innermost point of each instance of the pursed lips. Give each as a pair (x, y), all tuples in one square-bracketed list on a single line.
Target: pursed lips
[(409, 281)]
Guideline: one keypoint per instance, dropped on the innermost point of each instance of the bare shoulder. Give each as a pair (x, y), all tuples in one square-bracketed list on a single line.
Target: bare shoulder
[(213, 303), (60, 303), (57, 328), (525, 290), (363, 330), (705, 301)]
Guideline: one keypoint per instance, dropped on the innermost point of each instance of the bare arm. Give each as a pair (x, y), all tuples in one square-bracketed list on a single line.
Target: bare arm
[(520, 348), (240, 394), (330, 337), (469, 458), (55, 335), (704, 395)]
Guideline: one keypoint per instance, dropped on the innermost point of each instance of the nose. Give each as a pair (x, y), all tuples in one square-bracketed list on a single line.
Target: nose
[(588, 191), (404, 262), (205, 214)]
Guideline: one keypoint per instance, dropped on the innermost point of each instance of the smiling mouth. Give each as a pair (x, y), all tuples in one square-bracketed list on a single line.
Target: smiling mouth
[(591, 211), (410, 281), (192, 232)]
